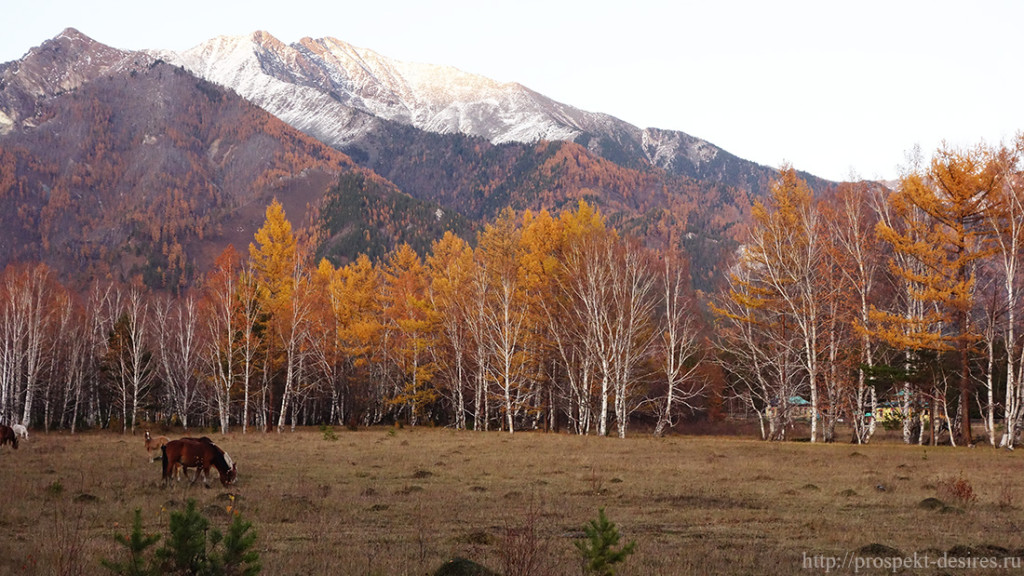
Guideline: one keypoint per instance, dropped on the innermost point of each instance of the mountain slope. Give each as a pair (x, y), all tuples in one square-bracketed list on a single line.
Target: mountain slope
[(114, 163)]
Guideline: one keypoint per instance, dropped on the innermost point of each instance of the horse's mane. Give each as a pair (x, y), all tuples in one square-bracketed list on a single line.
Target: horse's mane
[(220, 456)]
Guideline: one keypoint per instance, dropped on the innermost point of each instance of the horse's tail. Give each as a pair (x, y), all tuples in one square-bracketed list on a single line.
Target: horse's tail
[(163, 461)]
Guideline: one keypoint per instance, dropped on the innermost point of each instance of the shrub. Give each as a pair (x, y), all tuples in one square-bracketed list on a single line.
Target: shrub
[(328, 432), (524, 550), (958, 488)]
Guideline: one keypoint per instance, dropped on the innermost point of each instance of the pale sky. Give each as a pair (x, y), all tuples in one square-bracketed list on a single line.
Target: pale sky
[(833, 88)]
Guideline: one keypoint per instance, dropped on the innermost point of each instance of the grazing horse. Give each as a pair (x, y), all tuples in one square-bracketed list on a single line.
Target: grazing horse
[(154, 444), (7, 435), (20, 431), (199, 453)]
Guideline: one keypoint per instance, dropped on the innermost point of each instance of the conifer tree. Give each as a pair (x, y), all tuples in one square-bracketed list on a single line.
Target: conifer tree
[(412, 320), (953, 194)]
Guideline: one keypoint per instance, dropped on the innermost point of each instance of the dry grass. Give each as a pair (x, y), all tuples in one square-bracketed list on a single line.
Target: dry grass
[(387, 501)]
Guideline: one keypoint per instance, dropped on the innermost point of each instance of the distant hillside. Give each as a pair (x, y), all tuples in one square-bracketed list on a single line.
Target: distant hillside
[(478, 179)]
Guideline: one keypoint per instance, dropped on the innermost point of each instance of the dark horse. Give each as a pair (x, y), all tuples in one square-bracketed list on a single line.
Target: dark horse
[(199, 453), (7, 435)]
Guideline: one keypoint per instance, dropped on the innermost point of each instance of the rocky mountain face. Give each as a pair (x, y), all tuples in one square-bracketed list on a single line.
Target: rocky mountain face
[(340, 94)]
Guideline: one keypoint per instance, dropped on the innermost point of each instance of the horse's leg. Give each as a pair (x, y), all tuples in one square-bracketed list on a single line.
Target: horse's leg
[(163, 467)]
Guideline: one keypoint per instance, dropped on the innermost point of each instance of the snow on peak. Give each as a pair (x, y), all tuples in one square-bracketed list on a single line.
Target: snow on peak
[(336, 92), (318, 85)]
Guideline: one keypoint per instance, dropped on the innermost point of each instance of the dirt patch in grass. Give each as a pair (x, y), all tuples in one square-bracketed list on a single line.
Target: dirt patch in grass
[(877, 550), (705, 501)]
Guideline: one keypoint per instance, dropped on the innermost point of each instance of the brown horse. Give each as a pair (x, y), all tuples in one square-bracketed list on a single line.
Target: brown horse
[(7, 435), (199, 453), (154, 444)]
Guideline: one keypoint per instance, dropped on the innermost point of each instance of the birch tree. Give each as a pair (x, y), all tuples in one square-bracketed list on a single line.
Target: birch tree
[(451, 267), (26, 337), (292, 326), (33, 294), (129, 358), (1006, 222), (179, 353), (589, 308), (631, 325), (785, 245), (505, 328), (860, 258), (679, 343), (758, 349), (252, 330), (223, 325), (73, 347)]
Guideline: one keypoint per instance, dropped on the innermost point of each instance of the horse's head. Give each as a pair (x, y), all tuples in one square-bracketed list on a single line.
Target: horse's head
[(232, 473), (148, 437), (229, 472)]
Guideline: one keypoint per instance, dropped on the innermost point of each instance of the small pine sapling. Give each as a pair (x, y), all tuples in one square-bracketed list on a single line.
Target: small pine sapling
[(239, 558), (184, 550), (136, 543), (598, 549)]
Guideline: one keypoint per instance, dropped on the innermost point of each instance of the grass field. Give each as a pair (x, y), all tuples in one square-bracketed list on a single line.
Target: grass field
[(404, 501)]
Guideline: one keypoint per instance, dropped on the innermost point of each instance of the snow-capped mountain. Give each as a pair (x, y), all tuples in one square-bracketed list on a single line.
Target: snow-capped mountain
[(326, 87), (335, 91), (341, 94)]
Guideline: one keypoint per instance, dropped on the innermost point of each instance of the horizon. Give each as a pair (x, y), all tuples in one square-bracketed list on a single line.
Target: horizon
[(834, 91)]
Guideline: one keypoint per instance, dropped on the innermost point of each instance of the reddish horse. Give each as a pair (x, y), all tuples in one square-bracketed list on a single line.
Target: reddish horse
[(199, 453), (7, 435)]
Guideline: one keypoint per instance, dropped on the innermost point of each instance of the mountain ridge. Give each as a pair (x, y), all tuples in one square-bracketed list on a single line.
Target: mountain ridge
[(337, 93)]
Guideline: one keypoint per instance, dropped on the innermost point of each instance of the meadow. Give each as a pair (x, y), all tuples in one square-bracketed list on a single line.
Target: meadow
[(405, 501)]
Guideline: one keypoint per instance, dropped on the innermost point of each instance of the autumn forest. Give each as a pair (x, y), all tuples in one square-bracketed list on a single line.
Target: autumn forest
[(859, 307)]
